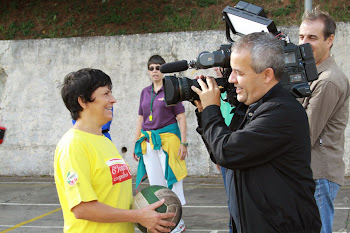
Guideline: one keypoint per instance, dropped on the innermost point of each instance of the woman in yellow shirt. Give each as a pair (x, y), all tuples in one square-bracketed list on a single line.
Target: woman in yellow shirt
[(92, 179)]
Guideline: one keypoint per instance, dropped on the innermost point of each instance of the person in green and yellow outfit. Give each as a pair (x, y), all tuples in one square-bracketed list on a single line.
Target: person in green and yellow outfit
[(160, 139)]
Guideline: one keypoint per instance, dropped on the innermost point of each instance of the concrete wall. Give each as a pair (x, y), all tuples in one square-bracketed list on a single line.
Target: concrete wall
[(31, 73)]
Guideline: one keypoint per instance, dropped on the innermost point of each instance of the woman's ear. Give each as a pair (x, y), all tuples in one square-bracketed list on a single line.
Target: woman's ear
[(82, 102)]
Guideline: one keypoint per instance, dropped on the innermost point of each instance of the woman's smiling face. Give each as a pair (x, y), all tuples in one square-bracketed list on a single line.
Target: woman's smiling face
[(101, 106)]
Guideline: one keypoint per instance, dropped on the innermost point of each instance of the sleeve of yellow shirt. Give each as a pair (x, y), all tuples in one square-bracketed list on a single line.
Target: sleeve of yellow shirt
[(75, 166)]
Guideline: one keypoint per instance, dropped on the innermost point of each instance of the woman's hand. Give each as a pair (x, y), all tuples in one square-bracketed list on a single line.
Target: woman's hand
[(182, 152), (154, 221), (136, 158)]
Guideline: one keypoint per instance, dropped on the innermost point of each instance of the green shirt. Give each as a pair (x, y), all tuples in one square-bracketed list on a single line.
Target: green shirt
[(226, 109)]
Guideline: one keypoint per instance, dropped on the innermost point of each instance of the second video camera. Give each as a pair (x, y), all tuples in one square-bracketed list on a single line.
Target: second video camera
[(244, 18)]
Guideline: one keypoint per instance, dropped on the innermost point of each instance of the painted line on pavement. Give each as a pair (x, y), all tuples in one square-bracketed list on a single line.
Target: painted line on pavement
[(185, 206), (136, 229), (40, 227), (52, 182), (34, 204), (342, 208), (203, 206), (185, 184), (29, 204), (31, 220), (27, 182)]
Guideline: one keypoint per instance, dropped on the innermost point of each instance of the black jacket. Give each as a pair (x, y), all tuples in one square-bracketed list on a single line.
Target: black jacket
[(268, 161)]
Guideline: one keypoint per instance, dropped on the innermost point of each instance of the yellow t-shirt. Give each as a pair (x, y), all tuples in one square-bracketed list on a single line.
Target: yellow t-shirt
[(88, 167)]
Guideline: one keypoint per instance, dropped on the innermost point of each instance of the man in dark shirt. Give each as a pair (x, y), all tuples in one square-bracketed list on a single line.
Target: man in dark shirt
[(267, 153)]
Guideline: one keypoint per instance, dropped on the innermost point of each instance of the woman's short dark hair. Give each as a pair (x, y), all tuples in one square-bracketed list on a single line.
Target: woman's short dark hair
[(82, 83), (155, 59)]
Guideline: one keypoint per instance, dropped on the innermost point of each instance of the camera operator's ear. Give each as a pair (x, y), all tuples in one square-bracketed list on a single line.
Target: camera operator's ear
[(269, 76)]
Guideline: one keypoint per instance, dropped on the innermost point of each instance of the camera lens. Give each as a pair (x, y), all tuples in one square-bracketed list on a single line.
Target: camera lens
[(179, 89)]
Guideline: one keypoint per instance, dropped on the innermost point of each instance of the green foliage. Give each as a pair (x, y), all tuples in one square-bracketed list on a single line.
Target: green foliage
[(206, 3), (21, 19), (51, 17), (2, 29), (194, 12), (177, 23), (26, 28), (12, 30), (3, 11), (137, 11), (342, 12), (69, 23), (284, 11), (169, 10), (122, 32), (14, 4), (111, 14), (151, 11)]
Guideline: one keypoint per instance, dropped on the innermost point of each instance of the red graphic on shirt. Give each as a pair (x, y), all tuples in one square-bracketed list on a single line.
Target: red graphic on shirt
[(119, 170)]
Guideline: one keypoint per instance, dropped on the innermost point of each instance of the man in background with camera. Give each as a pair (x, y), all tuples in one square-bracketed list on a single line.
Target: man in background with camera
[(265, 150), (328, 112)]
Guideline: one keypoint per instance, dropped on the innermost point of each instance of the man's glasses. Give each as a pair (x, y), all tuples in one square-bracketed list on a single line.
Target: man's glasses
[(151, 68)]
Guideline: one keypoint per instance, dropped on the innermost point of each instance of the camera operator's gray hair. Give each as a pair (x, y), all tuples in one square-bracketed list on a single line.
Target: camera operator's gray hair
[(265, 51)]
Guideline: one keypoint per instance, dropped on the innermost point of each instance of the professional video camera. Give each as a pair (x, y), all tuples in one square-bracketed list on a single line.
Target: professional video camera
[(242, 19)]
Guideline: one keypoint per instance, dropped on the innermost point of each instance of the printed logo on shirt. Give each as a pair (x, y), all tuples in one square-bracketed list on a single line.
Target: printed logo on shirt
[(161, 99), (72, 177), (119, 170)]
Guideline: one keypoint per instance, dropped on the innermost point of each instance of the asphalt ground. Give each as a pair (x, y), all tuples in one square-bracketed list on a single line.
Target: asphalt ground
[(30, 204)]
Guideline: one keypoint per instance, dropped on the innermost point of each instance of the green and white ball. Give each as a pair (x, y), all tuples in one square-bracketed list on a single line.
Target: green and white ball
[(153, 194)]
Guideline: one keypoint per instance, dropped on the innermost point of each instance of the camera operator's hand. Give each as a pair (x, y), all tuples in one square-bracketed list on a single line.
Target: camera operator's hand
[(198, 103), (210, 93)]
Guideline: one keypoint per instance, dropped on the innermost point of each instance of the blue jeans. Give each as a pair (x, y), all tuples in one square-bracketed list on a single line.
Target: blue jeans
[(223, 172), (325, 194)]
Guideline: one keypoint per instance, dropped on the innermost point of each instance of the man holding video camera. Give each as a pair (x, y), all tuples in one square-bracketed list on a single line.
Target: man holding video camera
[(328, 112), (266, 151)]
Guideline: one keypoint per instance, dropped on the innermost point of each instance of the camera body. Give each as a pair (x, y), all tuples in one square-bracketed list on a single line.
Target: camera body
[(300, 69), (219, 58), (300, 66), (179, 89)]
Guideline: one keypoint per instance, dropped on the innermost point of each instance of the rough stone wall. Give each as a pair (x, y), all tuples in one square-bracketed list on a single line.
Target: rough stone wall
[(32, 71)]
